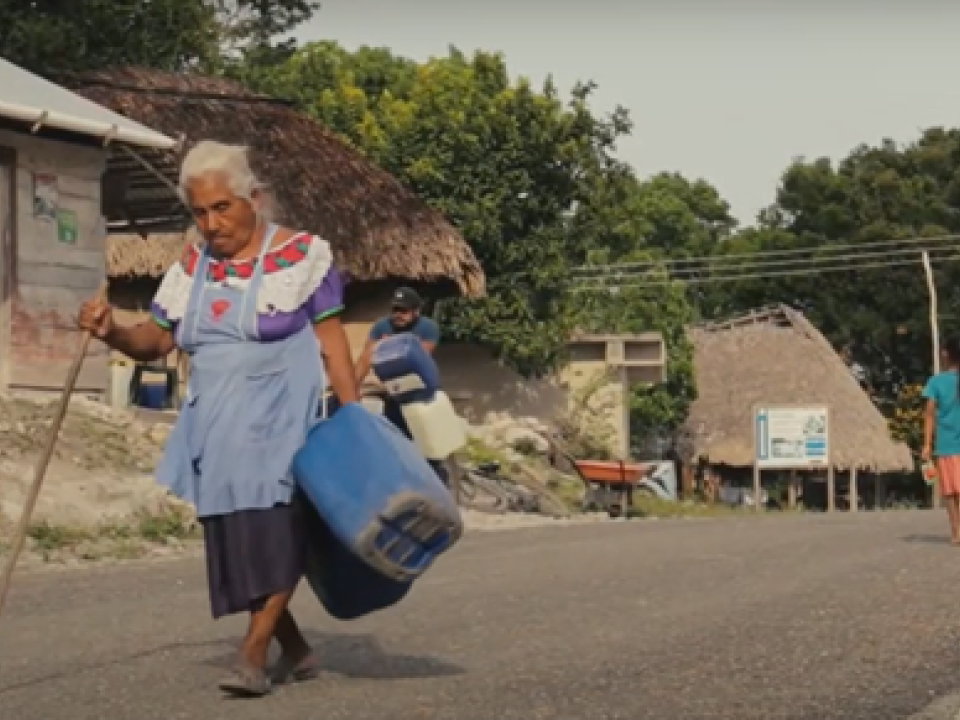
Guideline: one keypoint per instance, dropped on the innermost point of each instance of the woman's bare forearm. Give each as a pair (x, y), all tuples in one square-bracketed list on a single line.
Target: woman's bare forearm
[(364, 364), (336, 359), (341, 377)]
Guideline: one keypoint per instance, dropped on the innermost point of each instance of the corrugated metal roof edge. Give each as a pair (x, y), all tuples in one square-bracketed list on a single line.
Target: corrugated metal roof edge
[(122, 130), (85, 126)]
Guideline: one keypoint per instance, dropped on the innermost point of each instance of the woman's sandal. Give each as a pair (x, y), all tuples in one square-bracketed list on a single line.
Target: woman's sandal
[(290, 671), (246, 681)]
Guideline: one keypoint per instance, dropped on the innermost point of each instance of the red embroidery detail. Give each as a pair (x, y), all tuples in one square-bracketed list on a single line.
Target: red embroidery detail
[(270, 264), (189, 260), (216, 271), (218, 308), (291, 252)]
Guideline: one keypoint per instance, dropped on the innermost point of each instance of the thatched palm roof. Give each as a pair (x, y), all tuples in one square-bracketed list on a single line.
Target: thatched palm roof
[(776, 356), (377, 227), (132, 256)]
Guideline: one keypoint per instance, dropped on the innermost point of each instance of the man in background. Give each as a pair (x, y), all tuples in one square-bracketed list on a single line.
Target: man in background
[(404, 317)]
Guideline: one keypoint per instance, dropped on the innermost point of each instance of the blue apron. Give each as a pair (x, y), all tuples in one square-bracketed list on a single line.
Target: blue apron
[(249, 403)]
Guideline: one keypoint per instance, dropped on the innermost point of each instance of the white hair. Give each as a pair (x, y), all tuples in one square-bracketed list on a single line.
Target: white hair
[(209, 157)]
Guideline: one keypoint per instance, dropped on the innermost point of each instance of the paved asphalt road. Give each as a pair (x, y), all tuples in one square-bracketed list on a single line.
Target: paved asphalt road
[(851, 617)]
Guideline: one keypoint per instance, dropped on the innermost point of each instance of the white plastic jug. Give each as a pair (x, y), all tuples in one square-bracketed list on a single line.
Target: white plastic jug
[(372, 405), (436, 428)]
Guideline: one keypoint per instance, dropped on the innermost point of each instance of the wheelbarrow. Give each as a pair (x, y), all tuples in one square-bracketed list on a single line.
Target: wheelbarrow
[(610, 485)]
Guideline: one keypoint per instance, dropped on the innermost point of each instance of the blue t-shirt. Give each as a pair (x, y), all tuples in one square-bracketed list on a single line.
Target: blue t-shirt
[(423, 327), (942, 388)]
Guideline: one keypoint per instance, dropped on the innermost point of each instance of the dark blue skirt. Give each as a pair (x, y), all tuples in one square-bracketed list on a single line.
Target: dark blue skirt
[(253, 554)]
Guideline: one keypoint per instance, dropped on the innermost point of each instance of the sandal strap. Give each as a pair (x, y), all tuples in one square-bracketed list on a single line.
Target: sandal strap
[(248, 679), (305, 669)]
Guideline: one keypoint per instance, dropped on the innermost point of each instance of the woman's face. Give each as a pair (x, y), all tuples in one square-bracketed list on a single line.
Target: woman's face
[(226, 221)]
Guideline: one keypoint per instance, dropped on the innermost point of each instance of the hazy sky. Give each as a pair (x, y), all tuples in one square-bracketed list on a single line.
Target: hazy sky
[(726, 90)]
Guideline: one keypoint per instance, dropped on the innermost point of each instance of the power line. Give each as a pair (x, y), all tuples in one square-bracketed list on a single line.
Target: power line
[(712, 259), (748, 265), (720, 259), (661, 282)]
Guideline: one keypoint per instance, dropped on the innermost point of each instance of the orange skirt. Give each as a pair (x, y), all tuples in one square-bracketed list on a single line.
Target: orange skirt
[(948, 474)]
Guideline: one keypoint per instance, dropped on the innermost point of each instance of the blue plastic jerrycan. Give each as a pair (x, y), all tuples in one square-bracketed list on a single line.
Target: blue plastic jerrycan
[(407, 371), (379, 497), (344, 584)]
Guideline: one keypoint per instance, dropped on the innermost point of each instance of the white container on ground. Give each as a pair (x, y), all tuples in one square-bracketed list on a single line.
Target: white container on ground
[(121, 375), (436, 428), (373, 405)]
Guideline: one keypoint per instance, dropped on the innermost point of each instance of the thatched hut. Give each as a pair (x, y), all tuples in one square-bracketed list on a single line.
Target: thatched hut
[(131, 256), (775, 356), (381, 233)]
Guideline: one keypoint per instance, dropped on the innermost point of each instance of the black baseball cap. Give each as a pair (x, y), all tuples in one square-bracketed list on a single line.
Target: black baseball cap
[(406, 298)]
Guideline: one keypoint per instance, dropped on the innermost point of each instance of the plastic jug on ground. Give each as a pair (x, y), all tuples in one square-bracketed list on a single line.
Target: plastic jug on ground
[(435, 427)]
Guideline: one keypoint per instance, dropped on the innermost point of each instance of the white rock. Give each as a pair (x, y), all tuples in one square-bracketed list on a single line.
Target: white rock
[(518, 435)]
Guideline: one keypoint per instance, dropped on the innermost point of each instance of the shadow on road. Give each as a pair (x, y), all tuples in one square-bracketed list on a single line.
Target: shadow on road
[(927, 539), (360, 656), (354, 656)]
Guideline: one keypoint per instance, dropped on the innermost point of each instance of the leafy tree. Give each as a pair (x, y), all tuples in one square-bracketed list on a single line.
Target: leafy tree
[(322, 73), (684, 218), (529, 178), (258, 23), (878, 315), (620, 217), (251, 30), (48, 36), (52, 37), (507, 162), (657, 411), (906, 423)]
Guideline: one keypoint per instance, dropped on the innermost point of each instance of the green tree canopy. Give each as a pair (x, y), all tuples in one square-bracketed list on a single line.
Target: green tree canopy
[(628, 221), (507, 162), (50, 37), (876, 194)]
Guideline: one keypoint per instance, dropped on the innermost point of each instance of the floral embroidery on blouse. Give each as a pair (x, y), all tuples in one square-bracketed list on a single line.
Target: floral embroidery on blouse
[(293, 251), (299, 285)]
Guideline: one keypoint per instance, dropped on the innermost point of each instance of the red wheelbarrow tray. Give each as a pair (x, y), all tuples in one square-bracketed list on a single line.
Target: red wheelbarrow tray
[(610, 472)]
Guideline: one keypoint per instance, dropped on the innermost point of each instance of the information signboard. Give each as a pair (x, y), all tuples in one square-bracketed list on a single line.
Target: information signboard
[(792, 437)]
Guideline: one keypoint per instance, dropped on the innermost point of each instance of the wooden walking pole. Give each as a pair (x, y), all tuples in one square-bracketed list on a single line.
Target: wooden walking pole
[(20, 535)]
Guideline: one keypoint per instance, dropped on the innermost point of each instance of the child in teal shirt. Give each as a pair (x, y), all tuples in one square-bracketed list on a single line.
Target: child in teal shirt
[(941, 431)]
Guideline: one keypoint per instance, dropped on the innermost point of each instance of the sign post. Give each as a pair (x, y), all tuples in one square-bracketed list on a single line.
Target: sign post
[(935, 334), (789, 438)]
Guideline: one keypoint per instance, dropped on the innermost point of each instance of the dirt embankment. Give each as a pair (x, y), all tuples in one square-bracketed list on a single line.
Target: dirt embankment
[(99, 483)]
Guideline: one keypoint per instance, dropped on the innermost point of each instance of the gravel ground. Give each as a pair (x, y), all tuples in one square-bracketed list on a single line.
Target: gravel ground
[(848, 617), (943, 708), (480, 521)]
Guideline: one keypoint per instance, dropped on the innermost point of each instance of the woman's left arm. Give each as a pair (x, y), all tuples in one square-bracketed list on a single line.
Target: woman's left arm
[(324, 307), (335, 350)]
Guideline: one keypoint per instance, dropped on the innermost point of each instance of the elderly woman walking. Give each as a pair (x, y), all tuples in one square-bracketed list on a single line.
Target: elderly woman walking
[(248, 305)]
